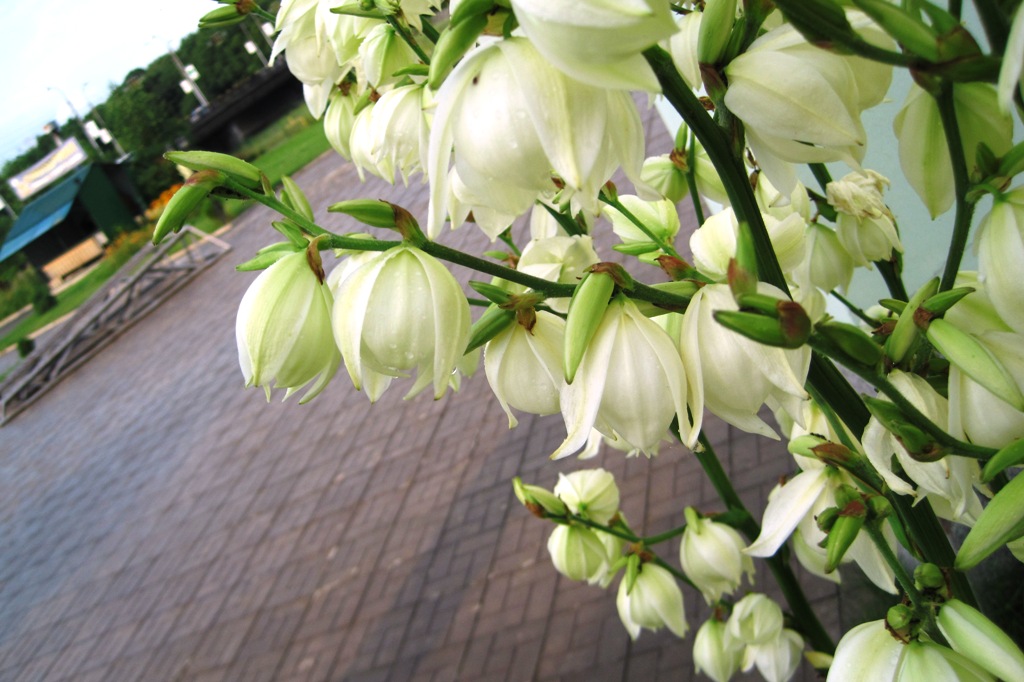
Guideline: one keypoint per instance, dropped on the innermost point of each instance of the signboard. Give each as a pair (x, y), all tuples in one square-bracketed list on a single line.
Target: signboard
[(55, 164)]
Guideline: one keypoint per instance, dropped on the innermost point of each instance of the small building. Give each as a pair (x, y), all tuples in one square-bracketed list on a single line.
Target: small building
[(67, 226)]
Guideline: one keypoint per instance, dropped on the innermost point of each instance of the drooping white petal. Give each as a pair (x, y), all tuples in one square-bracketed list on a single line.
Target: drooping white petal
[(787, 505)]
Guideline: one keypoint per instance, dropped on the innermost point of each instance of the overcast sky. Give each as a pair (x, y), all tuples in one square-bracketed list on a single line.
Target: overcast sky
[(80, 48)]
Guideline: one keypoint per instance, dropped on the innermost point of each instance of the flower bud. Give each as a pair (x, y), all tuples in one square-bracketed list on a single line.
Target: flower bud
[(383, 52), (372, 212), (777, 659), (452, 44), (576, 552), (655, 601), (864, 223), (977, 638), (867, 653), (711, 555), (590, 493), (283, 329), (843, 533), (240, 171), (716, 24), (227, 15), (857, 345), (1011, 455), (930, 661), (712, 655), (534, 497), (184, 201), (1001, 522), (905, 333), (586, 310), (976, 360)]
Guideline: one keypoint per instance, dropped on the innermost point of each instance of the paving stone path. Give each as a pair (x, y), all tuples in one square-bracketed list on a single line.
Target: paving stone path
[(160, 523)]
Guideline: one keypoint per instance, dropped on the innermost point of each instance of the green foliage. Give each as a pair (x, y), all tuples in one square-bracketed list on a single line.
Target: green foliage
[(20, 285), (25, 347)]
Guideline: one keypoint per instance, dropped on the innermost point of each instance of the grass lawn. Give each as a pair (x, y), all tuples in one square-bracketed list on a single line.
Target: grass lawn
[(294, 149)]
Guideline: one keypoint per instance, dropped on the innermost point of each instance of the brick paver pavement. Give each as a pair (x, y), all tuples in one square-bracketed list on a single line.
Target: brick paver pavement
[(158, 522)]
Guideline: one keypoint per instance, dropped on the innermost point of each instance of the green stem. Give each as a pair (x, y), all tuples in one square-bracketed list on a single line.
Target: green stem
[(428, 29), (407, 37), (260, 12), (867, 319), (905, 580), (617, 205), (964, 208), (821, 174), (728, 164), (890, 274), (506, 236), (691, 179)]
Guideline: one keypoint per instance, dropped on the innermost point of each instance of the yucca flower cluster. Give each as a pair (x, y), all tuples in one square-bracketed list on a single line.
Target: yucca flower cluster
[(518, 114)]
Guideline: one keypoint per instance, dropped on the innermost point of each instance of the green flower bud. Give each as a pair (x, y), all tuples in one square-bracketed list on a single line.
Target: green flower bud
[(240, 171), (852, 341), (943, 301), (789, 331), (586, 310), (1011, 455), (715, 29), (184, 201), (975, 360), (844, 531), (929, 577), (899, 617), (914, 35), (1002, 521), (228, 15), (535, 498), (905, 332), (372, 212), (453, 43), (494, 321), (294, 198), (980, 640)]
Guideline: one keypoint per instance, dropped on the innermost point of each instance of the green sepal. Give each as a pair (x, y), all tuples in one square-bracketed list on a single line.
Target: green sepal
[(494, 321), (1010, 455), (586, 310), (570, 226), (1013, 162), (742, 272), (918, 444), (1000, 522)]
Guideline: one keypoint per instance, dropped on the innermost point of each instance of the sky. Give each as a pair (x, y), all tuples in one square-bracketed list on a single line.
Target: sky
[(82, 49)]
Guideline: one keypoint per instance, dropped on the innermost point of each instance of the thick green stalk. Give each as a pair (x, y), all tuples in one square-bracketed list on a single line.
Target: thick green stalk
[(905, 580), (964, 208), (691, 179), (729, 166)]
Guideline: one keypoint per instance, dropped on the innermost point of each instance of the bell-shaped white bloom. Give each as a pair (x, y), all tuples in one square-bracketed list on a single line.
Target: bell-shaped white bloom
[(383, 52), (776, 659), (313, 62), (402, 310), (510, 121), (778, 205), (713, 655), (867, 653), (683, 48), (283, 329), (1000, 246), (591, 493), (755, 619), (361, 144), (827, 264), (630, 385), (711, 555), (864, 223), (399, 131), (801, 104), (935, 663), (544, 225), (654, 602), (577, 552), (714, 244), (977, 413), (339, 120), (598, 42), (951, 478), (738, 375), (524, 367), (924, 155), (1010, 82), (659, 217)]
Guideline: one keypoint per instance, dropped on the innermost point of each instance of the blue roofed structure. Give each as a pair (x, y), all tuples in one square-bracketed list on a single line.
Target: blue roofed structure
[(83, 203)]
